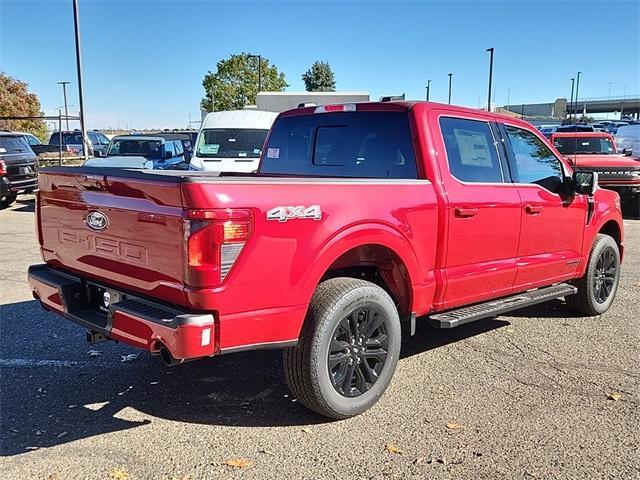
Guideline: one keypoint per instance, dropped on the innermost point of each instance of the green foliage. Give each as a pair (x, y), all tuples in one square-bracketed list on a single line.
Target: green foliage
[(16, 101), (319, 78), (235, 82)]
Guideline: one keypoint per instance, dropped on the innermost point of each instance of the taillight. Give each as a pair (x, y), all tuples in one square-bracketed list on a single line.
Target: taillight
[(3, 167), (214, 241)]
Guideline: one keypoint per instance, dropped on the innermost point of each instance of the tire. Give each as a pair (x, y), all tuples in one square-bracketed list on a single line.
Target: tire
[(597, 288), (8, 200), (337, 310)]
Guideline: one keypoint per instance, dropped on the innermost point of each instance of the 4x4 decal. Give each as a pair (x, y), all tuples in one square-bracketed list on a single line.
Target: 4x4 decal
[(284, 213)]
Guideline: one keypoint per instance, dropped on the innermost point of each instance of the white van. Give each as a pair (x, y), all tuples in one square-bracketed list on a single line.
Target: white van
[(231, 141), (625, 136)]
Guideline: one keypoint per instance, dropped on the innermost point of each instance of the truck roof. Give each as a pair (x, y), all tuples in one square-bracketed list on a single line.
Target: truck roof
[(408, 105)]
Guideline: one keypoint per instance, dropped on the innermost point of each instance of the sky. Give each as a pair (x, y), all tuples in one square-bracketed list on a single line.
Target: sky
[(144, 60)]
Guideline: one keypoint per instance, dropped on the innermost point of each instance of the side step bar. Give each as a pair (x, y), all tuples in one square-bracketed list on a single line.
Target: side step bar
[(492, 308)]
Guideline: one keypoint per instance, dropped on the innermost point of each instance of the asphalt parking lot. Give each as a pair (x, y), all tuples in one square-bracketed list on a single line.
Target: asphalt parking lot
[(538, 394)]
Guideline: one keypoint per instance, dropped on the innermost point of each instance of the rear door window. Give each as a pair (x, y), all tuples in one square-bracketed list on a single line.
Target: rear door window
[(342, 144), (471, 150)]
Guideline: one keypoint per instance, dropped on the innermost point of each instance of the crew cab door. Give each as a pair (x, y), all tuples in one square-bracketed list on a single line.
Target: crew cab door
[(482, 213), (553, 220)]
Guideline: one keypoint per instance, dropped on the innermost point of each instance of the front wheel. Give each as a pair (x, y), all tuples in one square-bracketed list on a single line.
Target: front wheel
[(348, 348), (597, 288), (8, 200)]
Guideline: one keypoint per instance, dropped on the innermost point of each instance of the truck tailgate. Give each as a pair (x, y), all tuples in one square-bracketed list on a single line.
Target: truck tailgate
[(119, 228)]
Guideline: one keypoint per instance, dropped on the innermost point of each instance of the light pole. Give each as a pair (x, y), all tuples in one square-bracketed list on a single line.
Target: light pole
[(66, 109), (610, 85), (428, 89), (577, 88), (490, 50), (450, 75), (76, 22), (571, 102), (259, 57), (509, 97)]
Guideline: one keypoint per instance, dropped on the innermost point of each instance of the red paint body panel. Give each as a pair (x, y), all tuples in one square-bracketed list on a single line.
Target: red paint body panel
[(448, 260)]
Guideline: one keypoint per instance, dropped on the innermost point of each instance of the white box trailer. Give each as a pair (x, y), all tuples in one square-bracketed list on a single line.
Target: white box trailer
[(282, 101)]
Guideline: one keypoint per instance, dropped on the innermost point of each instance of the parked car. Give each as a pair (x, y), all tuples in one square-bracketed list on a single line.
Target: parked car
[(72, 142), (612, 128), (165, 154), (597, 152), (360, 215), (547, 130), (232, 141), (185, 139), (625, 137), (18, 168)]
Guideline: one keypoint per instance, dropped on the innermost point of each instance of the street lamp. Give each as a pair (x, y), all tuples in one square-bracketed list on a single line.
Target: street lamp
[(490, 50), (428, 89), (571, 102), (577, 88), (509, 97), (66, 109), (259, 57), (450, 75), (76, 22)]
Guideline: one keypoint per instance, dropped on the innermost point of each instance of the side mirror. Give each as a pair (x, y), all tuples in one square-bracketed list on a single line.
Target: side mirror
[(98, 154), (585, 183)]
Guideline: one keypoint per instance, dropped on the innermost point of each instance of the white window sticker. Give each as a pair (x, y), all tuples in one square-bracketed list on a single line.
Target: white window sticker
[(231, 140), (3, 150), (210, 148), (273, 153), (242, 154)]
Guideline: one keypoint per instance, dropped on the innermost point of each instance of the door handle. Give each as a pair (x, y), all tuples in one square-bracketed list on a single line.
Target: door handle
[(533, 209), (466, 212)]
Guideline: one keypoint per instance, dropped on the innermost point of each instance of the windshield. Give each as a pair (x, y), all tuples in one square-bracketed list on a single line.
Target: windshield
[(231, 143), (151, 149), (11, 145), (584, 145)]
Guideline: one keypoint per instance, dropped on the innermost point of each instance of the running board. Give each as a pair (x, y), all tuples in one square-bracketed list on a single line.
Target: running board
[(493, 308)]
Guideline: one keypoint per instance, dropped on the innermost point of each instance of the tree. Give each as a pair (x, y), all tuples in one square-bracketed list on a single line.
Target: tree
[(16, 101), (319, 78), (235, 82)]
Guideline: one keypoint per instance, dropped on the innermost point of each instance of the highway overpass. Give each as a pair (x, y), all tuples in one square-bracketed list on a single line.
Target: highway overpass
[(626, 106)]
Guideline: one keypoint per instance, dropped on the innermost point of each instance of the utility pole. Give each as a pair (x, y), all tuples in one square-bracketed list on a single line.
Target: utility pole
[(428, 88), (450, 75), (490, 50), (571, 102), (66, 109), (76, 22), (577, 88)]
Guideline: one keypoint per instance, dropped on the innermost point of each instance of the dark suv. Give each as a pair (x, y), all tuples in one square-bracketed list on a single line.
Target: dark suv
[(18, 168), (72, 142)]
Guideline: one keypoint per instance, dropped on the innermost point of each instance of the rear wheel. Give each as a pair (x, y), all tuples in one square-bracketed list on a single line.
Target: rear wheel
[(348, 348), (597, 289)]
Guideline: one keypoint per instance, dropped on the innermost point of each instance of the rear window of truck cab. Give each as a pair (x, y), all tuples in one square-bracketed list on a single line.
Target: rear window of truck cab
[(341, 144)]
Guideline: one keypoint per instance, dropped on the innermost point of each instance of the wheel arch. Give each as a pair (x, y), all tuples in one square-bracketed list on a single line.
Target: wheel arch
[(374, 252)]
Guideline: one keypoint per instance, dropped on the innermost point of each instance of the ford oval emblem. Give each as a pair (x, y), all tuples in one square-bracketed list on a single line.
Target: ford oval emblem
[(97, 221)]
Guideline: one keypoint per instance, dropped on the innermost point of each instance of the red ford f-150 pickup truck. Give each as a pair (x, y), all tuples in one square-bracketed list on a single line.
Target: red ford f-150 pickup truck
[(596, 151), (360, 216)]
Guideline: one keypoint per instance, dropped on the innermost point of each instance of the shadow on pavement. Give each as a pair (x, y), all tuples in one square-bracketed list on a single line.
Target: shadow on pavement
[(54, 392), (24, 205)]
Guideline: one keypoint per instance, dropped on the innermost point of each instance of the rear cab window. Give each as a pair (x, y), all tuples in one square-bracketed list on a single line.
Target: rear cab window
[(366, 144), (238, 143)]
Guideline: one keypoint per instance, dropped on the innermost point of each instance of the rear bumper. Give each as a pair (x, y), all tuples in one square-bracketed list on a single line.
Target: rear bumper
[(133, 320)]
